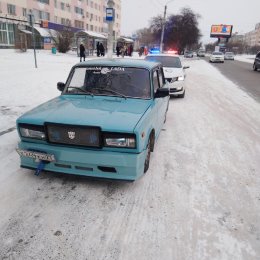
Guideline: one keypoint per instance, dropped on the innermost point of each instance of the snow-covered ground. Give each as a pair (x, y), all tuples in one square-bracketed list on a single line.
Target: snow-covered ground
[(199, 200), (245, 58)]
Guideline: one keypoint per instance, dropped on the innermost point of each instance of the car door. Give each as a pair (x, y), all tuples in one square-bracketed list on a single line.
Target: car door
[(160, 103), (257, 60)]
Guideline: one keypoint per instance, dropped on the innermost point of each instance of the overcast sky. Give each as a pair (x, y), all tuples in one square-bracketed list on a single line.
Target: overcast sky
[(242, 14)]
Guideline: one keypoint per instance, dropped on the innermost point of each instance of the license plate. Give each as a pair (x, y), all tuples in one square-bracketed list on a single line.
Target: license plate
[(36, 155)]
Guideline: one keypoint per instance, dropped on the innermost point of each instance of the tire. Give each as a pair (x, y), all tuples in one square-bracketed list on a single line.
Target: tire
[(165, 117), (182, 95), (148, 155), (254, 67)]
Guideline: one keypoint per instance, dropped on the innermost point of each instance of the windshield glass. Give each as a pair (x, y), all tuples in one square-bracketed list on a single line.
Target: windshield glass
[(217, 53), (166, 61), (112, 81), (229, 53)]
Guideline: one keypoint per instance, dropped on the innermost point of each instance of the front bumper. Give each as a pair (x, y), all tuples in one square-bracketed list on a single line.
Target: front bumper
[(216, 60), (176, 88), (229, 58), (86, 162)]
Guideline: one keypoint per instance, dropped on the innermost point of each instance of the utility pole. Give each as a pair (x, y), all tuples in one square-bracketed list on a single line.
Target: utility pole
[(163, 25), (110, 18), (31, 17)]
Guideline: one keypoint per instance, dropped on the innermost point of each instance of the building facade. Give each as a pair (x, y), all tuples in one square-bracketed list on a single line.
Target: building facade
[(86, 15), (252, 38)]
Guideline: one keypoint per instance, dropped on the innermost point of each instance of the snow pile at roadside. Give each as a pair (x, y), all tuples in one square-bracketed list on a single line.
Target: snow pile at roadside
[(245, 58)]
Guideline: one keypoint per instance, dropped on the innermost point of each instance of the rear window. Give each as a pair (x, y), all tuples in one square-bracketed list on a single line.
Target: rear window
[(130, 82), (217, 53), (166, 61), (229, 53)]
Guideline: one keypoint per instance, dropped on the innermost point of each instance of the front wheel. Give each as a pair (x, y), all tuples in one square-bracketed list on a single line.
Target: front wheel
[(254, 67), (148, 155)]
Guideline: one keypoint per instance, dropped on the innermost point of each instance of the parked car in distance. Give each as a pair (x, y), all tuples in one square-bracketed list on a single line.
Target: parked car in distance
[(201, 53), (104, 124), (229, 55), (174, 72), (188, 54), (216, 56), (256, 64)]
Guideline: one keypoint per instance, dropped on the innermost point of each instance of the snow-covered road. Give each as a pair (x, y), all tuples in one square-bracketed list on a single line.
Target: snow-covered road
[(200, 199)]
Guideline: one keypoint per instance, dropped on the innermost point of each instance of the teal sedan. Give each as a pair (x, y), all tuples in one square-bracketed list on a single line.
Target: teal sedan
[(104, 124)]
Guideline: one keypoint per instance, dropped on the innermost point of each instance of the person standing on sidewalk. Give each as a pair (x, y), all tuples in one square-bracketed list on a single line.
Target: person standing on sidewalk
[(98, 49), (102, 49), (82, 52)]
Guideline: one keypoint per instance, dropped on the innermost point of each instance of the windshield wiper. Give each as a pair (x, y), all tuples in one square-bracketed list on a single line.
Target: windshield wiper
[(111, 91), (82, 90)]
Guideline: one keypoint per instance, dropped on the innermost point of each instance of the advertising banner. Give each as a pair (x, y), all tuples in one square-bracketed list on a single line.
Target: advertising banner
[(221, 31)]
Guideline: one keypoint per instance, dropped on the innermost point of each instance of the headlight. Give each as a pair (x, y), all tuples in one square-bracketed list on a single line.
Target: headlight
[(119, 140), (32, 131), (180, 78)]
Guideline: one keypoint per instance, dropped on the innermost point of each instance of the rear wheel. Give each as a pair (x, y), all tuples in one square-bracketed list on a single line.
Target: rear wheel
[(148, 155)]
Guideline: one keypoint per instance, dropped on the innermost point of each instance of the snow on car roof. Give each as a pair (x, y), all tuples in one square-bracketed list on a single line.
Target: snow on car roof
[(136, 63)]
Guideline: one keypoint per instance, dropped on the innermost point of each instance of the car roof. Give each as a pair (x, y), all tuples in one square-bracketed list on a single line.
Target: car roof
[(133, 63)]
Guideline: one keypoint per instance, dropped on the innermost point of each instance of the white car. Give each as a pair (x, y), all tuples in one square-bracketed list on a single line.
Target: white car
[(173, 70), (229, 55), (216, 56)]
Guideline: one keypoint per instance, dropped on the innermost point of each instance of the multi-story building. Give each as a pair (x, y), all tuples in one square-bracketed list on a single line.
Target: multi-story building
[(237, 38), (78, 15), (252, 38)]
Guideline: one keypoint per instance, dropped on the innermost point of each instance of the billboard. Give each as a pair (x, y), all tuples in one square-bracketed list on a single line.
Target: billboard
[(221, 31)]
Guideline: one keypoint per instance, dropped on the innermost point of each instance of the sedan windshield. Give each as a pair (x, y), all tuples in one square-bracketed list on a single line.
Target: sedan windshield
[(167, 61), (112, 81)]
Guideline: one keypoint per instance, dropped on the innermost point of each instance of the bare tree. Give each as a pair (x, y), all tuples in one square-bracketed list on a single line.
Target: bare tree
[(62, 39), (145, 36), (181, 31)]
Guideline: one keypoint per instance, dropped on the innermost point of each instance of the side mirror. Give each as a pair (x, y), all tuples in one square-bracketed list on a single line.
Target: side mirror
[(60, 86), (162, 92), (186, 67)]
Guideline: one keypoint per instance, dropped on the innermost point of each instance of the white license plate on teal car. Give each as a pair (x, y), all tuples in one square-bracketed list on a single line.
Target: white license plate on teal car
[(36, 155)]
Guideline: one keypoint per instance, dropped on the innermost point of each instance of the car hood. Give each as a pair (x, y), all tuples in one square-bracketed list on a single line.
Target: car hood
[(109, 113), (172, 72)]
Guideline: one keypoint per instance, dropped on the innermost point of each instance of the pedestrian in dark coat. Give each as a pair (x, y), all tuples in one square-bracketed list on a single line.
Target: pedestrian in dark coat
[(82, 52), (131, 49), (117, 50), (98, 49), (102, 49)]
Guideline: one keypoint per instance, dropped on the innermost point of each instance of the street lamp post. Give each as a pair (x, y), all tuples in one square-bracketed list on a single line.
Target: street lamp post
[(163, 25), (31, 18)]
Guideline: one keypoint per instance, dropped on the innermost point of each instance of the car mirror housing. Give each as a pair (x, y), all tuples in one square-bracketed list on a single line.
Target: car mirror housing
[(162, 92), (60, 86)]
